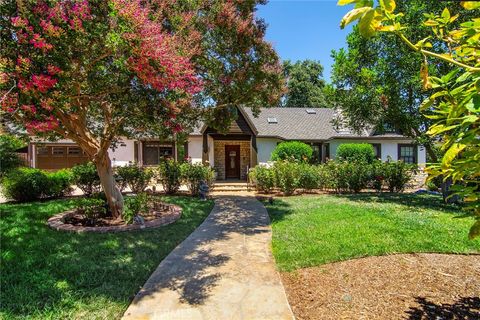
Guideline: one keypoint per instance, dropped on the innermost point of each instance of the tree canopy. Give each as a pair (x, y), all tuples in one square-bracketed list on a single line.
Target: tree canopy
[(93, 70), (305, 84), (454, 101)]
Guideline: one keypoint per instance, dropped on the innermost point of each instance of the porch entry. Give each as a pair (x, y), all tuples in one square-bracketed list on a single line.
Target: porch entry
[(232, 161)]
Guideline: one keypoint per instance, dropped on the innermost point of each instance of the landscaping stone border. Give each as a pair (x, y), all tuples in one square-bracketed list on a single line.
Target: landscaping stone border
[(57, 222)]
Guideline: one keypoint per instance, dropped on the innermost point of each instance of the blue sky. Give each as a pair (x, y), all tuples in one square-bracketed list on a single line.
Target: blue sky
[(305, 29)]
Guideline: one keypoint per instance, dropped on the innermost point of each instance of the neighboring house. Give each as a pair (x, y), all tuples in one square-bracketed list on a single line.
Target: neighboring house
[(249, 141)]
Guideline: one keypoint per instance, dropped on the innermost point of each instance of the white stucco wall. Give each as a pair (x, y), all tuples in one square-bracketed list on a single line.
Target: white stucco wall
[(389, 148), (195, 148), (265, 148), (123, 154)]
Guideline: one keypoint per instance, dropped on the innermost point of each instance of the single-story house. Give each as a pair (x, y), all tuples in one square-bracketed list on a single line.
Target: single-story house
[(249, 141)]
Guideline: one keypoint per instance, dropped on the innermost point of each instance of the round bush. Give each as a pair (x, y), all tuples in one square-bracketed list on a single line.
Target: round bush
[(357, 152), (86, 178), (192, 174), (137, 178), (263, 177), (292, 151), (26, 184)]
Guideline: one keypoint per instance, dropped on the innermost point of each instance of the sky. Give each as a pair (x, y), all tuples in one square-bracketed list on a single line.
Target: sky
[(305, 29)]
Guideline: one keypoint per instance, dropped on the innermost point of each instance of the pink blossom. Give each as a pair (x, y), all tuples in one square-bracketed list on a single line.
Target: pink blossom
[(29, 108), (40, 43), (53, 70), (19, 22), (43, 82)]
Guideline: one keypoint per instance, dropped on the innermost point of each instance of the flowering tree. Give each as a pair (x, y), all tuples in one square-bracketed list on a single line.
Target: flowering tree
[(454, 106), (93, 70)]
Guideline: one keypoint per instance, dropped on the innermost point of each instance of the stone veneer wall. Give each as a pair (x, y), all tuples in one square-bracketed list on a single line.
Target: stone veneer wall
[(219, 157)]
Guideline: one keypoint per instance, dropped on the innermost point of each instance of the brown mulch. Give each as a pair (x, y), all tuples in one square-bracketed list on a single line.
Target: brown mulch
[(403, 286), (79, 219)]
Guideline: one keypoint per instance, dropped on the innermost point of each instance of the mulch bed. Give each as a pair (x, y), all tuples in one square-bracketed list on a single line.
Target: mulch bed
[(403, 286)]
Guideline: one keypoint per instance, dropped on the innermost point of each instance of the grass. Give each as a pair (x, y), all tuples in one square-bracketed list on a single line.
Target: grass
[(313, 230), (47, 274)]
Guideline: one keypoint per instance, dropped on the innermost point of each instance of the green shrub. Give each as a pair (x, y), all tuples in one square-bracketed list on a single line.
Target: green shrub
[(86, 178), (92, 209), (192, 174), (170, 175), (25, 184), (135, 177), (263, 178), (325, 180), (60, 183), (309, 177), (345, 176), (134, 205), (356, 152), (28, 184), (9, 159), (377, 175), (292, 151), (286, 176), (397, 175)]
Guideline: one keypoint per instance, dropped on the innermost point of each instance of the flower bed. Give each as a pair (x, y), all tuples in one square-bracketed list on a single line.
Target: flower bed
[(163, 214)]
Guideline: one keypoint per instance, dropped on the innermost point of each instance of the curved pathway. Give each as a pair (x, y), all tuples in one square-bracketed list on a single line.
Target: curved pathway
[(223, 270)]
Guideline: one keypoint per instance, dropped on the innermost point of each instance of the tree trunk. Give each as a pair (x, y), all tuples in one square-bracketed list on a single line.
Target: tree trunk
[(112, 193)]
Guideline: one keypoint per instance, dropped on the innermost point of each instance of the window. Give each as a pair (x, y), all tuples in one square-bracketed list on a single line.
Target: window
[(74, 151), (327, 151), (317, 152), (42, 151), (58, 151), (407, 153), (311, 111), (154, 151), (272, 120), (377, 147)]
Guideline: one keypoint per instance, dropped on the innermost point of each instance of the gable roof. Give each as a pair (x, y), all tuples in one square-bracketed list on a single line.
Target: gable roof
[(307, 124), (293, 123)]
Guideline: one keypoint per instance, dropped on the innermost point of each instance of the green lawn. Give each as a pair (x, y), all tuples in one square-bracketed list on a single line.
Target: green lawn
[(312, 230), (46, 274)]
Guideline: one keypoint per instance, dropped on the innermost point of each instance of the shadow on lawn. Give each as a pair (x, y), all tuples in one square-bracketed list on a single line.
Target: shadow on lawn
[(44, 270), (464, 308), (423, 201)]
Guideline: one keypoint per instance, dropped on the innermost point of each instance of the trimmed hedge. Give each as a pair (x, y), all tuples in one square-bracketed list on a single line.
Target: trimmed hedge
[(29, 184), (135, 177), (292, 151), (339, 176), (356, 152)]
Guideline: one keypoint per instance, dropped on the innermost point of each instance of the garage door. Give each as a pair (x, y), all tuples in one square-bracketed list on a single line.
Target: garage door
[(54, 157)]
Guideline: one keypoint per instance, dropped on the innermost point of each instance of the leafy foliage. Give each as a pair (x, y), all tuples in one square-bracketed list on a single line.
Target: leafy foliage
[(286, 176), (263, 177), (28, 184), (135, 177), (305, 84), (86, 178), (135, 205), (192, 174), (170, 175), (356, 152), (454, 106), (94, 70), (8, 157), (292, 150)]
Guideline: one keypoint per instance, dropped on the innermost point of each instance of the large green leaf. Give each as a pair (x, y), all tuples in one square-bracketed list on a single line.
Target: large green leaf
[(388, 5), (368, 23), (353, 15), (470, 5), (451, 153)]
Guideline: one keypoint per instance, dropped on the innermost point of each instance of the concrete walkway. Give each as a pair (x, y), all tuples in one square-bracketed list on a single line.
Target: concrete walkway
[(223, 270)]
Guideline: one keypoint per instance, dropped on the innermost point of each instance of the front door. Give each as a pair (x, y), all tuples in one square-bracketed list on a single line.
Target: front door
[(232, 161)]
